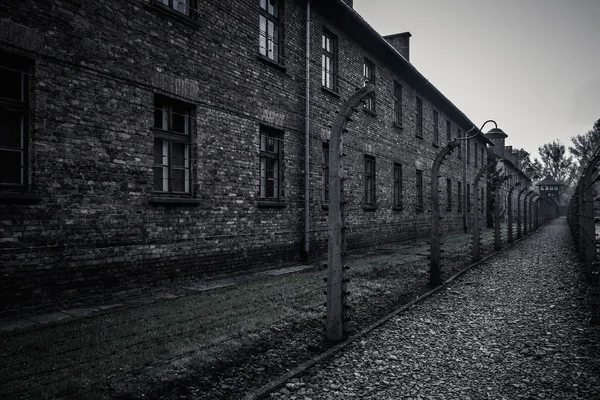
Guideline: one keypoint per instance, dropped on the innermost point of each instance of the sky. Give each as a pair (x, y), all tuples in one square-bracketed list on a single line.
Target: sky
[(533, 66)]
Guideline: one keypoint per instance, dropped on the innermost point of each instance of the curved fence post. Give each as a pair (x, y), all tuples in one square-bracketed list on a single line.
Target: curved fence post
[(335, 321), (435, 274), (476, 212), (519, 212), (510, 211)]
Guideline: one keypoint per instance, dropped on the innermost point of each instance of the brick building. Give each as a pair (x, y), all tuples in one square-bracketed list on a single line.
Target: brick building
[(155, 140)]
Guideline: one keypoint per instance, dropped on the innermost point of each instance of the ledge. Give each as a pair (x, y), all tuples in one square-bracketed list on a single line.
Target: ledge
[(397, 208), (419, 136), (270, 204), (369, 207), (397, 126), (325, 205), (19, 198), (270, 62), (330, 92), (369, 112), (419, 209), (174, 200), (168, 11)]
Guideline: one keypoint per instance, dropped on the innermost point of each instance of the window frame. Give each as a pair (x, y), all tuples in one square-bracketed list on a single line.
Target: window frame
[(419, 117), (333, 55), (398, 106), (278, 23), (468, 197), (265, 154), (16, 63), (419, 185), (397, 186), (370, 192), (448, 131), (475, 151), (369, 77), (171, 136)]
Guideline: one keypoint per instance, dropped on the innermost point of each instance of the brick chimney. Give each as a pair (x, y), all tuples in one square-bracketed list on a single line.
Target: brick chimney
[(401, 42), (350, 3)]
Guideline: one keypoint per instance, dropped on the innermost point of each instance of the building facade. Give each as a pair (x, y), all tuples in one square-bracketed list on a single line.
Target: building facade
[(149, 141)]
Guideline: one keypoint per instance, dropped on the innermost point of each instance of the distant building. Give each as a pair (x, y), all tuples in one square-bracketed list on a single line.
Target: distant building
[(148, 141)]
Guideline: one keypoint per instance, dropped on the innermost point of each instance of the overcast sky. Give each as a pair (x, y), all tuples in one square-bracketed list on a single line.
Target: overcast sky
[(531, 65)]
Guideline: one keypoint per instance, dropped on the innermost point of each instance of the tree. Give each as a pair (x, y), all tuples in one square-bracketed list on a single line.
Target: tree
[(584, 146), (555, 162)]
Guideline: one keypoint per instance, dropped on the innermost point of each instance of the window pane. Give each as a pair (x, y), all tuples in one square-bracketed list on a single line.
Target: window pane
[(181, 120), (181, 6), (263, 4), (178, 180), (263, 177), (179, 158), (262, 36), (166, 2), (12, 82), (11, 129), (161, 116), (273, 8), (11, 167), (161, 165)]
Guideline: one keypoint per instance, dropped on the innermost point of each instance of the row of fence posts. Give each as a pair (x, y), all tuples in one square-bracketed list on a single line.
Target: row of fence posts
[(535, 212), (583, 213)]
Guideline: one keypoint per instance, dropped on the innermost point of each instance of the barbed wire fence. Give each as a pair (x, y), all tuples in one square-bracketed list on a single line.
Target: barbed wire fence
[(583, 217)]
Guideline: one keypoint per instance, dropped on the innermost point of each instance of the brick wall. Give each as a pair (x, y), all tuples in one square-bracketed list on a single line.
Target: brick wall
[(96, 67)]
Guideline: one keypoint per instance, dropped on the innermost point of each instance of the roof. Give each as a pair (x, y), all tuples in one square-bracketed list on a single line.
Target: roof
[(360, 31), (549, 180)]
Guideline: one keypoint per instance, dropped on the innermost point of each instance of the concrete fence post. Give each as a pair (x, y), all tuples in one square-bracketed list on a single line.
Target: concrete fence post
[(336, 236)]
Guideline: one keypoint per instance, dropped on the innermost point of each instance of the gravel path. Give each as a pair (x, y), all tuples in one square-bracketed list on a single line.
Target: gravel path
[(517, 327)]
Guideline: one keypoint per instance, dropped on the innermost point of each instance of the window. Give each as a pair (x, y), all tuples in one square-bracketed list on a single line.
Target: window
[(481, 199), (270, 29), (482, 155), (397, 104), (459, 193), (419, 190), (449, 194), (271, 152), (325, 172), (14, 104), (182, 6), (397, 186), (419, 118), (436, 132), (448, 131), (369, 76), (369, 181), (459, 135), (475, 153), (468, 197), (329, 61), (172, 140)]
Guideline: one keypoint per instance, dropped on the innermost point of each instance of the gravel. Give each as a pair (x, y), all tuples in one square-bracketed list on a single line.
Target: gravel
[(516, 327)]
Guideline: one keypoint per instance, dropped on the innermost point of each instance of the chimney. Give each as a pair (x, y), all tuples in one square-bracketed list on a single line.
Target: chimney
[(350, 3), (401, 42)]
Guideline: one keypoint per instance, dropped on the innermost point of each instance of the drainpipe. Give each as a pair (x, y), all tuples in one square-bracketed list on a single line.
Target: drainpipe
[(307, 139)]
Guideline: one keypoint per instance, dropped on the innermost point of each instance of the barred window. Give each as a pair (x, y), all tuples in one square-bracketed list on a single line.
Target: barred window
[(270, 155), (397, 104), (459, 135), (397, 185), (369, 180), (468, 197), (419, 192), (419, 118), (325, 171), (172, 140), (329, 61), (475, 151), (14, 105), (468, 144), (269, 35), (448, 131), (369, 76)]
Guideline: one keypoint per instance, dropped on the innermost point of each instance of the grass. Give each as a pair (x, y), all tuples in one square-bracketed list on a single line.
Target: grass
[(137, 349)]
